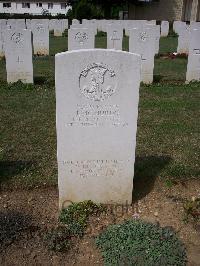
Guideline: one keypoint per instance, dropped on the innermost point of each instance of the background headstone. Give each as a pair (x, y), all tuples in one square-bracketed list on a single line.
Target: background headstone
[(97, 94), (164, 28), (114, 37), (80, 38), (58, 28), (183, 39), (18, 52), (193, 67), (142, 42), (40, 30)]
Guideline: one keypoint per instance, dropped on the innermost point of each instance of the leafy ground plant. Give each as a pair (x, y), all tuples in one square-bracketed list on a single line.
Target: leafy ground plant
[(75, 217), (72, 223), (192, 210), (136, 242)]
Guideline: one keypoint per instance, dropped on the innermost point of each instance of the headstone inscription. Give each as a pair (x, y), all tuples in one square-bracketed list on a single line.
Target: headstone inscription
[(97, 94), (18, 52)]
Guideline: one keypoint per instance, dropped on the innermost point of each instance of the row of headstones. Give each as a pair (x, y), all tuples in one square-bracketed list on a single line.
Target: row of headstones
[(40, 29), (189, 43), (97, 95), (17, 41), (184, 31), (143, 40)]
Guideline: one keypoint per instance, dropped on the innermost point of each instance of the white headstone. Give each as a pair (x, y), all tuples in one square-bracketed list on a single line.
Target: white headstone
[(18, 52), (2, 30), (195, 25), (97, 94), (142, 41), (177, 25), (51, 24), (183, 39), (64, 24), (40, 29), (157, 34), (28, 24), (193, 67), (114, 37), (80, 39), (58, 28), (90, 24), (164, 28)]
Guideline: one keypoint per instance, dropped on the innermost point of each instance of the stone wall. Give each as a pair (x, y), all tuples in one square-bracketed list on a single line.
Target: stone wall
[(163, 10)]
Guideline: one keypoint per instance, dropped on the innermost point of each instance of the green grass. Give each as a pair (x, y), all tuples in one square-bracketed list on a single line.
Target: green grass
[(168, 44), (168, 126)]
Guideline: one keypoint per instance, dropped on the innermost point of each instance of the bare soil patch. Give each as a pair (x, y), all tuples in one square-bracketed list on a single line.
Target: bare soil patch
[(27, 215)]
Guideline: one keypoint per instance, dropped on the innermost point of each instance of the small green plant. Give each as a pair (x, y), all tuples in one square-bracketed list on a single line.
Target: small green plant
[(192, 210), (77, 214), (169, 183), (58, 239), (73, 222), (136, 242)]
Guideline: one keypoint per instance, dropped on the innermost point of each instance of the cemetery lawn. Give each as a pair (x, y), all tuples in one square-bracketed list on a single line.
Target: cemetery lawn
[(166, 170)]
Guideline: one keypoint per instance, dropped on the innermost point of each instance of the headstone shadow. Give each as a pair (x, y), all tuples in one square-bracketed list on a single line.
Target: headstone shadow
[(9, 169), (147, 169)]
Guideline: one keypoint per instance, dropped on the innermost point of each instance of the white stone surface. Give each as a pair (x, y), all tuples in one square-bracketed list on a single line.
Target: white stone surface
[(90, 24), (157, 39), (75, 22), (177, 25), (40, 30), (80, 38), (2, 30), (183, 39), (193, 67), (28, 24), (97, 94), (142, 42), (58, 28), (164, 28), (195, 25), (65, 24), (18, 52), (114, 37), (133, 24)]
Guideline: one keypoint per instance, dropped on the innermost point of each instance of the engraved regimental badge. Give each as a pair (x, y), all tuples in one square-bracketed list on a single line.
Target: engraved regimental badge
[(143, 36), (97, 82), (17, 37), (81, 37)]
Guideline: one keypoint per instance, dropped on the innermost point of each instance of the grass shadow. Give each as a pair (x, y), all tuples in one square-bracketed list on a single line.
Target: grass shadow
[(12, 227), (147, 168), (157, 78), (9, 169), (43, 80)]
